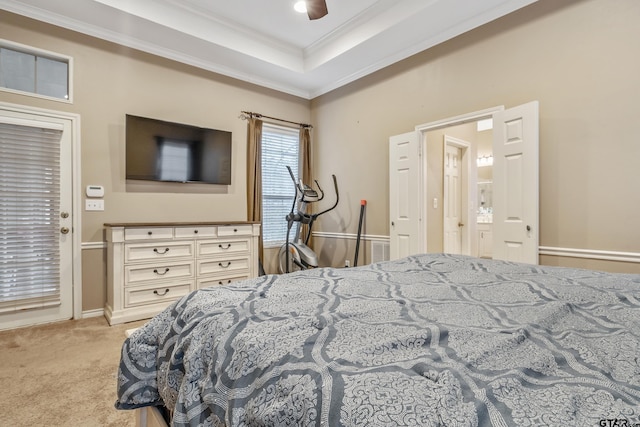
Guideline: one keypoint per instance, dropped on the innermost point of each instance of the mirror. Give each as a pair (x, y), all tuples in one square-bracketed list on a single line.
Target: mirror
[(485, 201)]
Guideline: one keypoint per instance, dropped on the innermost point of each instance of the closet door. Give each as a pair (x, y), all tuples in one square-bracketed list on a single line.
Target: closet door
[(404, 196)]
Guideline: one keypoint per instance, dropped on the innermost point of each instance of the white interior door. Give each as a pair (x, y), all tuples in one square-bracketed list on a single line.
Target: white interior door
[(36, 249), (405, 237), (452, 200), (515, 184)]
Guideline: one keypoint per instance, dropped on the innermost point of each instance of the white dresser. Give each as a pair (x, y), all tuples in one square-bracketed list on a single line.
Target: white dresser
[(151, 265)]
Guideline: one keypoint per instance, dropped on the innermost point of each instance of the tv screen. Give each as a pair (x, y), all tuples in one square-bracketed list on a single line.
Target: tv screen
[(164, 151)]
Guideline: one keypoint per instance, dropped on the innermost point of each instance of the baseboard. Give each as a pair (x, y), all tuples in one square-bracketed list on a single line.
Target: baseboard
[(92, 313)]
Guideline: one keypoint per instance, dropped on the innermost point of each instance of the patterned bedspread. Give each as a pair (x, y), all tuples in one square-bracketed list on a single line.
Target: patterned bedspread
[(428, 340)]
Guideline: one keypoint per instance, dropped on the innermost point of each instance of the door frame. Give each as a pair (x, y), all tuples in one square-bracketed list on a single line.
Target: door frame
[(76, 193), (423, 130), (467, 193)]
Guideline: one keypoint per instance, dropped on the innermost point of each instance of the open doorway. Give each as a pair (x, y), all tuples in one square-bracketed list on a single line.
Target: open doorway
[(459, 187), (484, 218)]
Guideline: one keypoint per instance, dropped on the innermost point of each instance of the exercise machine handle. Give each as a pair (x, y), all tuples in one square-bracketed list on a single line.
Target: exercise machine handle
[(320, 190), (293, 178), (335, 186)]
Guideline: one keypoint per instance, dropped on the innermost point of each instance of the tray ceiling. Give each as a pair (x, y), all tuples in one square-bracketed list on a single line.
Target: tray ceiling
[(266, 42)]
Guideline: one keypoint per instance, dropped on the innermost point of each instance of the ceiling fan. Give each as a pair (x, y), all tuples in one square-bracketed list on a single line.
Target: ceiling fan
[(316, 9)]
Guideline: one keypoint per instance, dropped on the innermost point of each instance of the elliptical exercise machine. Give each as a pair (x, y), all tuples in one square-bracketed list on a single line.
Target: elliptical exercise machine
[(296, 255)]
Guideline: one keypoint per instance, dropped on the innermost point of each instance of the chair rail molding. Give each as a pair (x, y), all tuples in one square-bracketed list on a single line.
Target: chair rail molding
[(596, 254), (350, 236), (94, 245), (591, 254)]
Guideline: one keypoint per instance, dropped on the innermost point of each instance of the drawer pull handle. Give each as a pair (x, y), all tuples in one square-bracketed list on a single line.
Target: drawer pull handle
[(222, 283), (227, 247), (166, 291), (195, 231), (225, 266), (166, 270), (149, 233), (161, 253)]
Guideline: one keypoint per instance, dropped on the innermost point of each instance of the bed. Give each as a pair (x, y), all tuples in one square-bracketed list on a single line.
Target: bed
[(427, 340)]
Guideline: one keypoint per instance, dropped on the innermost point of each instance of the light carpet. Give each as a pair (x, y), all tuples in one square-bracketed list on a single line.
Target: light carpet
[(62, 374)]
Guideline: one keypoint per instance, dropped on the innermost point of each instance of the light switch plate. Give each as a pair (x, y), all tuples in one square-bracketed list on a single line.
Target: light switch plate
[(94, 205)]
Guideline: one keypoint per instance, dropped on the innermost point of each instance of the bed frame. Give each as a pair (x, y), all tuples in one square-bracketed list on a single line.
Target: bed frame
[(150, 417)]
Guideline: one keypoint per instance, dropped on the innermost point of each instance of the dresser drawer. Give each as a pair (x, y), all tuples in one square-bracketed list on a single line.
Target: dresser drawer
[(142, 295), (162, 251), (221, 280), (229, 265), (146, 233), (222, 247), (193, 232), (235, 230), (142, 273)]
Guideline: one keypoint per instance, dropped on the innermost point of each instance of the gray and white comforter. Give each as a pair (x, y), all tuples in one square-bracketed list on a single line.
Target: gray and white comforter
[(429, 340)]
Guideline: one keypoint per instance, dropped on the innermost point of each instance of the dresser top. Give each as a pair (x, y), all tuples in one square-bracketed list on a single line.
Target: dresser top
[(175, 224)]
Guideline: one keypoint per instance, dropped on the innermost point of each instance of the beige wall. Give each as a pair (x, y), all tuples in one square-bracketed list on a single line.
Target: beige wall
[(577, 57), (111, 81)]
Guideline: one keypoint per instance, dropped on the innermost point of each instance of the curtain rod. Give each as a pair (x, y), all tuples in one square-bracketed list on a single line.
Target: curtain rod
[(244, 115)]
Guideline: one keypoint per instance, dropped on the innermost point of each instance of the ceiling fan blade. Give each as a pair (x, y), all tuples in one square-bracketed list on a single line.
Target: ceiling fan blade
[(316, 9)]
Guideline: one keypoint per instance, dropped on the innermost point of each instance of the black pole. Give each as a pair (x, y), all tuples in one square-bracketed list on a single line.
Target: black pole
[(363, 203)]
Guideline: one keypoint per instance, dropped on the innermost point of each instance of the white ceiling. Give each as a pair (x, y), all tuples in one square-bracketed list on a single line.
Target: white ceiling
[(265, 41)]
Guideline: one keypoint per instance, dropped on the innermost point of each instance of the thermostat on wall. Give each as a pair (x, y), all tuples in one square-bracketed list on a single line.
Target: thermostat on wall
[(95, 191)]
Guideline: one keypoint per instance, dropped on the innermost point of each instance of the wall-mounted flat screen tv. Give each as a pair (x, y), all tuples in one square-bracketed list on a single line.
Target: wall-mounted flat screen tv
[(157, 150)]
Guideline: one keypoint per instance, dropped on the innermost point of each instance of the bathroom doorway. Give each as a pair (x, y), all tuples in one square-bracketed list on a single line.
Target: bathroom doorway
[(457, 216)]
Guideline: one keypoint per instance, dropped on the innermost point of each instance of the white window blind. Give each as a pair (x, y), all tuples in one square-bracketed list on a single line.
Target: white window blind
[(280, 148), (29, 217)]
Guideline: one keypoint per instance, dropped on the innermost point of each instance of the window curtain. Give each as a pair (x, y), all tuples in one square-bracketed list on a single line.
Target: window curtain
[(254, 178), (305, 154), (305, 165)]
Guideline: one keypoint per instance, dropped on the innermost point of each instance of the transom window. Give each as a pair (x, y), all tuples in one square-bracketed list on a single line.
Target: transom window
[(280, 148), (33, 71)]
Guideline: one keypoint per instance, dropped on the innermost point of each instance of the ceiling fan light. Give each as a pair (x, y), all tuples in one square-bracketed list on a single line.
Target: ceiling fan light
[(300, 6)]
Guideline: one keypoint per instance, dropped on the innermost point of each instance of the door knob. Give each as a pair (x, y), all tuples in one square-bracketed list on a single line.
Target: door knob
[(528, 228), (460, 224), (64, 230)]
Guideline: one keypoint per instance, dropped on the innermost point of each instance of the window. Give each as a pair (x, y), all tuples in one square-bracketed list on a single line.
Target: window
[(280, 148), (32, 71)]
